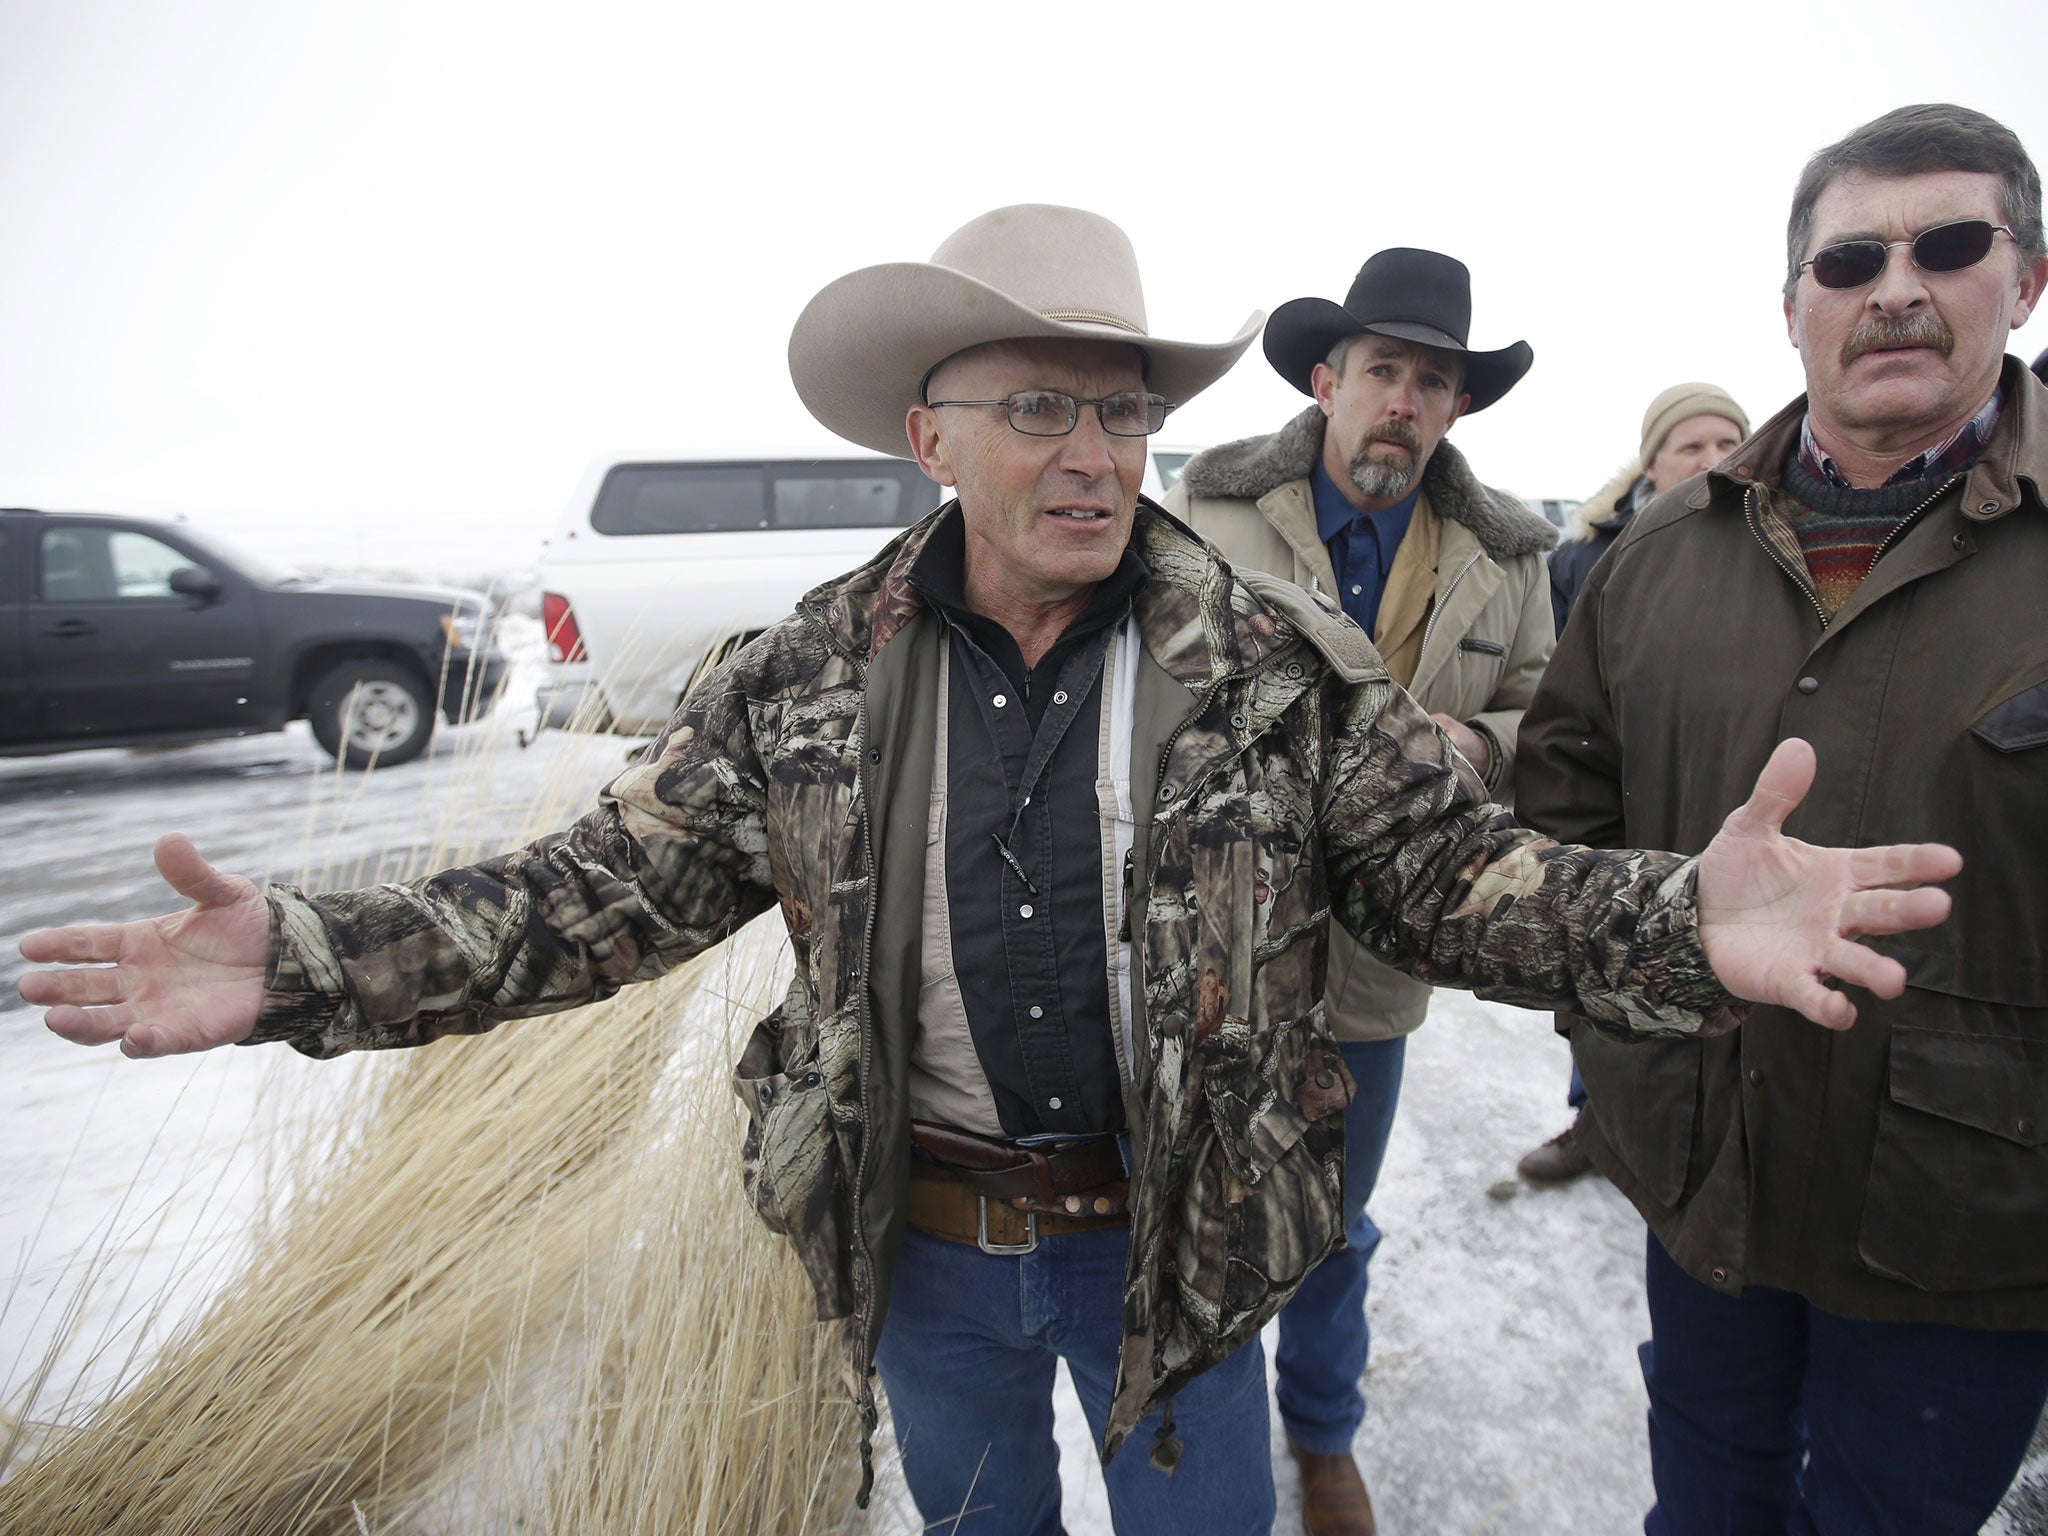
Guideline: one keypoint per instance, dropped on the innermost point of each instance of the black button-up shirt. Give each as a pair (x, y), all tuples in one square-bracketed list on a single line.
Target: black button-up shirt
[(1024, 852)]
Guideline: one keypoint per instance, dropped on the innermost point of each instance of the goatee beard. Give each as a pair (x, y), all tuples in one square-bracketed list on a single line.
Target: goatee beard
[(1380, 479), (1382, 482)]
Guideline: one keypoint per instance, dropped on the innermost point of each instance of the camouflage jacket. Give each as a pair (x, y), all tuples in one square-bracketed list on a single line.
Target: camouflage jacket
[(1281, 779)]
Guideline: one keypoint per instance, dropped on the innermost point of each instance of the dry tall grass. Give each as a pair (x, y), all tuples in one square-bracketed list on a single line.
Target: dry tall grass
[(507, 1283)]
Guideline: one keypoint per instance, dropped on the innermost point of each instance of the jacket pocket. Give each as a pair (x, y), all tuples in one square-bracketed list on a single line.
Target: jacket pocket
[(1261, 1108), (790, 1158), (1645, 1096), (1264, 1193), (1958, 1191), (2017, 724)]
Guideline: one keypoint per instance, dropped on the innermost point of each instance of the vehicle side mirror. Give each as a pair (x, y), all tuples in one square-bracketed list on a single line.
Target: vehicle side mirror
[(195, 581)]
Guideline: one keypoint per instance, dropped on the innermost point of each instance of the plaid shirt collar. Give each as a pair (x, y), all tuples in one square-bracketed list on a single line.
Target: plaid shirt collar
[(1946, 456)]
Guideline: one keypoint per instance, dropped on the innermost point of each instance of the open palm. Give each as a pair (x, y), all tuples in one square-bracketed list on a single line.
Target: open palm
[(1779, 917), (162, 985)]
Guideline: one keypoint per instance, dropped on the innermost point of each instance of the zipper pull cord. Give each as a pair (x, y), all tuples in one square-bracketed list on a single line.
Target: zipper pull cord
[(1123, 928), (1010, 859)]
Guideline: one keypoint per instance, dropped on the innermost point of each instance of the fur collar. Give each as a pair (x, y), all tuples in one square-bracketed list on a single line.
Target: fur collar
[(1252, 466), (1616, 496)]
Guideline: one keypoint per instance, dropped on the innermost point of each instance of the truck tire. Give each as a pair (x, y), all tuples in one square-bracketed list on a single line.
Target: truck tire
[(371, 713)]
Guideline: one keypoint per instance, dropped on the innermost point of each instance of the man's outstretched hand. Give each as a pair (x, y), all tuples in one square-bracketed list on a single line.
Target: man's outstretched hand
[(186, 982), (1778, 916)]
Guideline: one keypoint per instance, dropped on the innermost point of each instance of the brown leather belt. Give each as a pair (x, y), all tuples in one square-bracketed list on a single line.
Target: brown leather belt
[(1003, 1197)]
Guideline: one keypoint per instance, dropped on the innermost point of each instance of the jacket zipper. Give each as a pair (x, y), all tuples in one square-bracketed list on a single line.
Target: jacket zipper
[(1906, 522), (1436, 609), (1752, 497), (863, 1254)]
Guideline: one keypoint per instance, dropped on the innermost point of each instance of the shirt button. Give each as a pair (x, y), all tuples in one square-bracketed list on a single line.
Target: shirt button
[(1987, 508), (1038, 1013), (1960, 541), (1025, 910), (1356, 589), (1052, 1103), (1001, 699), (1060, 697), (1166, 791), (1809, 685), (1294, 669), (1720, 1275), (2025, 1128), (1756, 1077)]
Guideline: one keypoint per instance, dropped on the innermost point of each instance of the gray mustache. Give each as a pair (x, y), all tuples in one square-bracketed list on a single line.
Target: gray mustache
[(1923, 329)]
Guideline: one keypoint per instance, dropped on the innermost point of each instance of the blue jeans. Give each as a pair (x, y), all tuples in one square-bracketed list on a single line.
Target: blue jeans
[(1770, 1416), (967, 1356), (1324, 1337)]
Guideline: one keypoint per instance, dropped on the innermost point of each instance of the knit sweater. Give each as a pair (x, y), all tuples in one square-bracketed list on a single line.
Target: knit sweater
[(1842, 531)]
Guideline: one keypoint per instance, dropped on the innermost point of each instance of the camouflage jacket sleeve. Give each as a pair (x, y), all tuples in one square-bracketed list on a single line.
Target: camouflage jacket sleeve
[(1449, 888), (673, 859)]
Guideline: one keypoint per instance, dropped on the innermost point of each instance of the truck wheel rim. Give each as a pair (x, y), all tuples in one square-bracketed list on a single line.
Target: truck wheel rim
[(378, 716)]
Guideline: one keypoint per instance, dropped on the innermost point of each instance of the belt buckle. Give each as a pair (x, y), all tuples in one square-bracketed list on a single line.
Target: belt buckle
[(1029, 1244)]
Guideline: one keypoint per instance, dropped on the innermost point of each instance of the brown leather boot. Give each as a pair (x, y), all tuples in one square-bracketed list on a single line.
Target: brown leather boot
[(1558, 1161), (1333, 1497)]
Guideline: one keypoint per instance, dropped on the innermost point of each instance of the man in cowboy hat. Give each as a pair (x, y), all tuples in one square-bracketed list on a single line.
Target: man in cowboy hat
[(1057, 811), (1847, 1266), (1361, 497)]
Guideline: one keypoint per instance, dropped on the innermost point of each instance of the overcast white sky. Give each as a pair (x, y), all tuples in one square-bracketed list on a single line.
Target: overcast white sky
[(377, 279)]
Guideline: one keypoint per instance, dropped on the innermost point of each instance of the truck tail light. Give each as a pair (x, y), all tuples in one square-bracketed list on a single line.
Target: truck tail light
[(565, 640)]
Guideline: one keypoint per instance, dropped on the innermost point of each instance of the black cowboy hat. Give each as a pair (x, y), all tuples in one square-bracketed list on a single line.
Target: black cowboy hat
[(1411, 295)]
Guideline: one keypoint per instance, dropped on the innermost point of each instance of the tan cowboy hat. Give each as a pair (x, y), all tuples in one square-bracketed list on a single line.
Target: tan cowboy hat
[(862, 349)]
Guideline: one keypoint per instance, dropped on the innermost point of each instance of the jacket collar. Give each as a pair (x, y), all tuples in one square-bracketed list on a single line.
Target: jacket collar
[(2012, 468), (1610, 507), (1251, 467), (1200, 623)]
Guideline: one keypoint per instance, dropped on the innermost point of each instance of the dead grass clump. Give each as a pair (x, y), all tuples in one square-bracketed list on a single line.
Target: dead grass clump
[(521, 1291)]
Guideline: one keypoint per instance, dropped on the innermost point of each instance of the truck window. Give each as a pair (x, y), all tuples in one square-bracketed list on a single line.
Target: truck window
[(97, 565), (864, 495), (680, 498), (734, 498)]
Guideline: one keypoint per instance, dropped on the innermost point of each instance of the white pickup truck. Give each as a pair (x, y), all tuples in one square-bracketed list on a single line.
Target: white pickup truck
[(664, 566)]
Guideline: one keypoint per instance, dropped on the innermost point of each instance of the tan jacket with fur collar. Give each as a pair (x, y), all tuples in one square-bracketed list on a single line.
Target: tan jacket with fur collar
[(1487, 630)]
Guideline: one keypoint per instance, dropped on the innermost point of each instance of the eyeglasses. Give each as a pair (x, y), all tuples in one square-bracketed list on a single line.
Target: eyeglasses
[(1944, 248), (1048, 413)]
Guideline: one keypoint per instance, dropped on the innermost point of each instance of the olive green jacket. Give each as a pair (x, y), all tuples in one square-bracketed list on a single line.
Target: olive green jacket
[(1279, 780), (1487, 637), (1898, 1171)]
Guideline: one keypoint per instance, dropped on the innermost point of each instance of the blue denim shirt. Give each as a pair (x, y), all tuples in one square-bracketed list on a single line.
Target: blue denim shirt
[(1361, 545)]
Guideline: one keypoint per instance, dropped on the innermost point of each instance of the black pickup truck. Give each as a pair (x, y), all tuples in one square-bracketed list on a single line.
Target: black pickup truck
[(130, 631)]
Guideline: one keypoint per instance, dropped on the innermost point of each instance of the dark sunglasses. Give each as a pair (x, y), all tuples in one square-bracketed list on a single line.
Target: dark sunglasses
[(1944, 248)]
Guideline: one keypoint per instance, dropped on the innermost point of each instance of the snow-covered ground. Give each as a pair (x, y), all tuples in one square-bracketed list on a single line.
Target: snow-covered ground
[(1504, 1391)]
